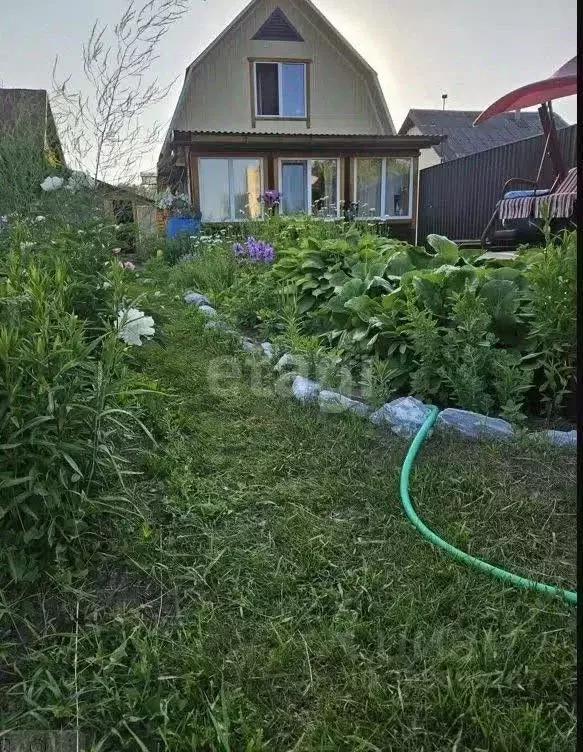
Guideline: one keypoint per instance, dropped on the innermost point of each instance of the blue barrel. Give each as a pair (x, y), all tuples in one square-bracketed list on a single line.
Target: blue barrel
[(176, 226)]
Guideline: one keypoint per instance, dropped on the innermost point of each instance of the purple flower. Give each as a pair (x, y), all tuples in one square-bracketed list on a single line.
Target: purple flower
[(254, 250), (271, 197)]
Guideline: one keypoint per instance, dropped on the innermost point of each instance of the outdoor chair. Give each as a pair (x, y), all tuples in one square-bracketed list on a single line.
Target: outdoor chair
[(527, 205)]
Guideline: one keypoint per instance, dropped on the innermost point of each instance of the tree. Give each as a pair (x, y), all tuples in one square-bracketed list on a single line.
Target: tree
[(102, 129)]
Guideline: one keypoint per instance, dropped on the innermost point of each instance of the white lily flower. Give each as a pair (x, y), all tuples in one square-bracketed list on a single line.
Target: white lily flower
[(132, 324), (52, 183)]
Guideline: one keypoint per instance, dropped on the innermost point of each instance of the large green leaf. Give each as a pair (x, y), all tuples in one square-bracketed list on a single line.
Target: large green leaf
[(447, 251), (337, 279), (514, 275), (429, 289), (456, 277), (379, 283), (399, 264), (313, 263), (420, 258), (305, 303), (363, 306), (502, 298), (351, 289)]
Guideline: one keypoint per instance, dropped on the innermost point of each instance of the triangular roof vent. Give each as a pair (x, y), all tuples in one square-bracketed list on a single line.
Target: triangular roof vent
[(278, 29)]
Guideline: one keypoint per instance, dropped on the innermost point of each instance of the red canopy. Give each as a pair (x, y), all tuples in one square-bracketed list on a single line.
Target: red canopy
[(563, 83)]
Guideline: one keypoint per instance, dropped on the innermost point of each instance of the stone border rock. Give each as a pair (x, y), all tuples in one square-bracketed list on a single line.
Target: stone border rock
[(404, 416)]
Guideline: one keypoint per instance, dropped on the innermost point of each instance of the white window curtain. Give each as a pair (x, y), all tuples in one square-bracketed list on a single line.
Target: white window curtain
[(230, 189), (293, 187), (310, 186), (383, 187), (369, 182)]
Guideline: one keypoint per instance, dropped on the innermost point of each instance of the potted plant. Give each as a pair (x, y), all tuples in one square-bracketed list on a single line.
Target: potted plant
[(182, 218)]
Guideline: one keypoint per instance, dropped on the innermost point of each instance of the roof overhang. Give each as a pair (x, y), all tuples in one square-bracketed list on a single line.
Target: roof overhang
[(304, 143)]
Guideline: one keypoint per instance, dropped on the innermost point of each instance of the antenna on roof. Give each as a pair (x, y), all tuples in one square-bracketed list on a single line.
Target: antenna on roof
[(443, 97)]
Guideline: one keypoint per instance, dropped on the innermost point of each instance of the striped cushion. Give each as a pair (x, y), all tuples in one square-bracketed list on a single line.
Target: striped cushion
[(562, 201), (561, 205), (569, 184), (516, 208)]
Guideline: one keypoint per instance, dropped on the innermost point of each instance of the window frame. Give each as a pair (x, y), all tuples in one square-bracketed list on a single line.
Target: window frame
[(393, 217), (280, 62), (231, 184), (310, 163)]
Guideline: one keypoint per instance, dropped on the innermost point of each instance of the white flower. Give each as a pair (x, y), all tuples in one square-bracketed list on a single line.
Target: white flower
[(52, 183), (25, 245), (40, 218), (106, 285), (133, 324), (79, 180)]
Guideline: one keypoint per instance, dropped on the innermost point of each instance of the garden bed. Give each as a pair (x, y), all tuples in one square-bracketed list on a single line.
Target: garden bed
[(253, 582)]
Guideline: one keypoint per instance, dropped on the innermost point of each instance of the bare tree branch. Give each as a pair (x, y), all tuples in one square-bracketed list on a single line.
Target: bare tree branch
[(102, 130)]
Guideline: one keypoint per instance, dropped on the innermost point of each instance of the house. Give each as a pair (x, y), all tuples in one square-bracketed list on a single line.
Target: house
[(463, 138), (280, 100), (27, 114)]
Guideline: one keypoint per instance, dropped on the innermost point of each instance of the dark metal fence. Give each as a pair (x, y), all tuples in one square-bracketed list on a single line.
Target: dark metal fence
[(457, 198)]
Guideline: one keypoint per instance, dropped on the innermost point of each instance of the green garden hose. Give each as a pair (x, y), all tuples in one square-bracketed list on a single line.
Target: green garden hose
[(513, 579)]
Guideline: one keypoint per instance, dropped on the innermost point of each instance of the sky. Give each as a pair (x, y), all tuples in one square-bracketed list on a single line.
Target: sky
[(475, 51)]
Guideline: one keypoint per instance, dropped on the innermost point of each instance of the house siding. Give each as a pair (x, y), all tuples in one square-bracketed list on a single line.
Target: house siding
[(217, 94)]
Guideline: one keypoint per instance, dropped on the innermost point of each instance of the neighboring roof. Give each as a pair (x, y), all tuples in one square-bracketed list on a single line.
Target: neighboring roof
[(124, 193), (30, 108), (309, 9), (463, 138)]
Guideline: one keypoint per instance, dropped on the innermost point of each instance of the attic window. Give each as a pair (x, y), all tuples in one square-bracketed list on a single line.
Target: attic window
[(278, 29), (280, 90)]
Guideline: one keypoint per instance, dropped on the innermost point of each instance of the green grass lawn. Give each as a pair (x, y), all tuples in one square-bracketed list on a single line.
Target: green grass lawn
[(278, 599)]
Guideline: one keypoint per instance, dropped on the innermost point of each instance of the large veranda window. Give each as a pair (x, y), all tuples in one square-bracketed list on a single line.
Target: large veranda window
[(310, 186), (383, 187), (280, 90), (230, 189)]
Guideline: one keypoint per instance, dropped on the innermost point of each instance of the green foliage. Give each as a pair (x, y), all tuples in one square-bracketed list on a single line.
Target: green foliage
[(466, 352), (209, 266), (552, 279), (66, 439), (452, 328), (270, 561), (173, 249), (148, 246)]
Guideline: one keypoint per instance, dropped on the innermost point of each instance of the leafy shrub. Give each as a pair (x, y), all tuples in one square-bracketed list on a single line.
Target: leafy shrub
[(552, 278), (66, 438), (210, 267), (176, 248), (450, 327), (254, 298), (148, 246)]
